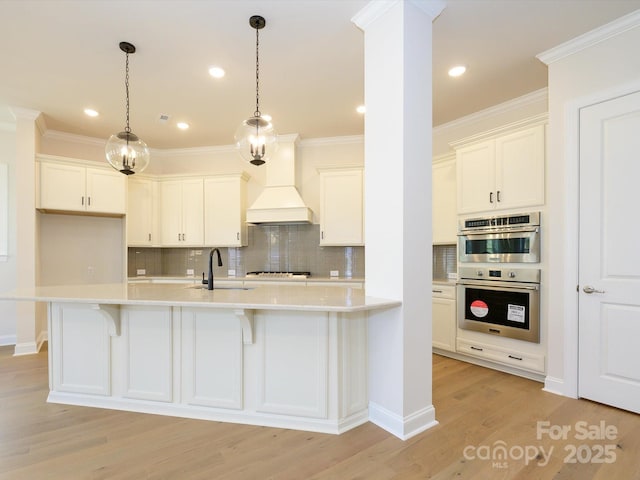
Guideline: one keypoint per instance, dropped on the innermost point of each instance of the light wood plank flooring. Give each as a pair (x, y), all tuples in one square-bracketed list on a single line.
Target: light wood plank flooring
[(479, 411)]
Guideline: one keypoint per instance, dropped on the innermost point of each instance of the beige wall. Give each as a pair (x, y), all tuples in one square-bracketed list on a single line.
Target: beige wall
[(8, 268), (602, 70)]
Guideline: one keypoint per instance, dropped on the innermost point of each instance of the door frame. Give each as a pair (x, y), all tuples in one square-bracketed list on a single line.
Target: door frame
[(568, 385)]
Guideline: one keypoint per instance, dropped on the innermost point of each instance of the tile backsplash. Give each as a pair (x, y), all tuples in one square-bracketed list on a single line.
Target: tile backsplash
[(271, 248), (444, 261)]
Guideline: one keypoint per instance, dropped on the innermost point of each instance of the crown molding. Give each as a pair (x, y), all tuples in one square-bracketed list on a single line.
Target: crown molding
[(321, 142), (540, 119), (374, 10), (502, 108), (74, 138), (589, 39)]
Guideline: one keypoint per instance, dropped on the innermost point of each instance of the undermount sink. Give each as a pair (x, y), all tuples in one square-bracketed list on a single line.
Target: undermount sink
[(204, 287)]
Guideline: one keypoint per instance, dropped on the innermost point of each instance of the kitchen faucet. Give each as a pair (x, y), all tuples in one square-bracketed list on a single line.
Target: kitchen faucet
[(210, 279)]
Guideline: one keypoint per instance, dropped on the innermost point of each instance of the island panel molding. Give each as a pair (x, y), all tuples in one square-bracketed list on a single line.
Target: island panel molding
[(281, 356)]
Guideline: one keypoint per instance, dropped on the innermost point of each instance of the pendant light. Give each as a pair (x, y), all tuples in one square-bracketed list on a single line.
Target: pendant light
[(125, 151), (256, 139)]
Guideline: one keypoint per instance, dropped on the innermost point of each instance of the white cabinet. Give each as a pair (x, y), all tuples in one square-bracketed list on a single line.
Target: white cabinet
[(341, 206), (443, 317), (506, 171), (141, 211), (509, 357), (73, 187), (444, 213), (181, 213), (225, 211)]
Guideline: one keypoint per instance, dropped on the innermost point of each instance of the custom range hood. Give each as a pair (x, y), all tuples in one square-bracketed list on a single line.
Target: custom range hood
[(280, 201)]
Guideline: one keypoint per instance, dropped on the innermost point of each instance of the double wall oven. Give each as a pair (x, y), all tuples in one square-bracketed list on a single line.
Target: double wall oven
[(498, 286)]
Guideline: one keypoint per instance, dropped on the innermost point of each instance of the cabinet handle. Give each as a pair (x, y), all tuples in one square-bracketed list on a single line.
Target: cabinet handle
[(515, 358), (183, 237), (178, 237), (237, 235), (436, 291), (83, 201), (476, 348), (149, 237), (322, 235), (89, 201), (498, 195), (490, 197)]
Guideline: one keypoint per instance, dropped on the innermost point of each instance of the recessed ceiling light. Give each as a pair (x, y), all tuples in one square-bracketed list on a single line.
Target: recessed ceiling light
[(182, 125), (90, 112), (361, 109), (457, 70), (216, 72)]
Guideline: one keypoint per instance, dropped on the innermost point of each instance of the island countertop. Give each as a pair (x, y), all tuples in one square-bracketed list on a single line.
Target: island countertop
[(267, 297)]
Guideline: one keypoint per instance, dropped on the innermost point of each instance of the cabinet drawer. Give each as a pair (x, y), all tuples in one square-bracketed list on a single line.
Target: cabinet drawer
[(443, 291), (525, 361)]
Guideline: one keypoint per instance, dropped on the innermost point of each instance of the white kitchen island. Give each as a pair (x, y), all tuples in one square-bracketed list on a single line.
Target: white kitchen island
[(281, 356)]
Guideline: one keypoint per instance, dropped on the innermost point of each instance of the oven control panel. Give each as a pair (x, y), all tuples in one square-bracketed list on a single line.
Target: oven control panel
[(528, 275)]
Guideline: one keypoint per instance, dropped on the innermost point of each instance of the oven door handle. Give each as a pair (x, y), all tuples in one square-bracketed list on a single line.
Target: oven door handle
[(495, 285), (499, 231)]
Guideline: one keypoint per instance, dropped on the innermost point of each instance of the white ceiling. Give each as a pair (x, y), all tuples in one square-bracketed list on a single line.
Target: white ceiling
[(60, 56)]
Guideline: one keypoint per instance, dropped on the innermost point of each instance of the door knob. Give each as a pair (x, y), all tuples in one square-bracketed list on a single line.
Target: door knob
[(589, 289)]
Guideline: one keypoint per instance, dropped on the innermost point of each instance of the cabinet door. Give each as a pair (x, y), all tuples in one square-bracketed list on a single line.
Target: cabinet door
[(192, 213), (444, 213), (140, 212), (224, 212), (106, 191), (520, 168), (444, 324), (341, 207), (171, 214), (476, 177), (62, 187)]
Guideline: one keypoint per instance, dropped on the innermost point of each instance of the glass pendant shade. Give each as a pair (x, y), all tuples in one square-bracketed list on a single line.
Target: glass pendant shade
[(127, 153), (256, 140)]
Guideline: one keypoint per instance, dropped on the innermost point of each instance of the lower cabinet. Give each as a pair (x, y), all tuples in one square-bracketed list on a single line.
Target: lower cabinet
[(443, 317), (511, 357), (291, 369)]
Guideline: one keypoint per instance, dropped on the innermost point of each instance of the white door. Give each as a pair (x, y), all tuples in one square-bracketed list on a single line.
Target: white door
[(609, 257)]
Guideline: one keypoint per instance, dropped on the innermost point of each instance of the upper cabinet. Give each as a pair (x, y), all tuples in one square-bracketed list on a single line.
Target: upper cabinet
[(342, 206), (68, 185), (444, 213), (141, 212), (503, 171), (181, 216), (225, 211)]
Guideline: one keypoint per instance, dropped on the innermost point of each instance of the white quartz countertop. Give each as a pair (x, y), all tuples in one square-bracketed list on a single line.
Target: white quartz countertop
[(268, 297)]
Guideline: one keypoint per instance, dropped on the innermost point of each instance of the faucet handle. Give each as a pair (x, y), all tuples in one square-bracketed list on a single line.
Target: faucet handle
[(204, 282)]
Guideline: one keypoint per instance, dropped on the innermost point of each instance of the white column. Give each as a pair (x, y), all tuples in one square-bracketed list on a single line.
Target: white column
[(398, 145), (30, 331)]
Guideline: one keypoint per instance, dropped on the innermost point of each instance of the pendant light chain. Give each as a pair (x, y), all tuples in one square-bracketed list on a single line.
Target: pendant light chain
[(126, 85), (257, 112)]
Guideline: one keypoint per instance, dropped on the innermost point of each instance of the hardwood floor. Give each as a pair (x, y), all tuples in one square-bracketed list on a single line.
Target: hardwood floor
[(479, 411)]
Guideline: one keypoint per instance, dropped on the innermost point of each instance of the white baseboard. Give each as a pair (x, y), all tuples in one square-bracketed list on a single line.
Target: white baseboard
[(209, 413), (30, 348), (403, 427), (556, 386), (26, 348)]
